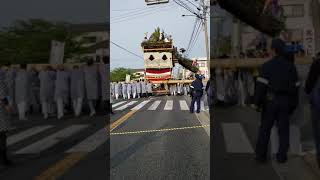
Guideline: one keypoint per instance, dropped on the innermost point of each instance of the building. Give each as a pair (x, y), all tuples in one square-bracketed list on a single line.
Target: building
[(96, 37), (138, 74), (202, 64), (302, 22)]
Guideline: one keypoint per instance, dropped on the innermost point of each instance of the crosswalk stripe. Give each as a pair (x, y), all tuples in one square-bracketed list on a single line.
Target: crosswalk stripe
[(51, 140), (126, 105), (154, 106), (169, 105), (235, 138), (183, 105), (139, 106), (202, 106), (118, 104), (91, 143), (26, 134)]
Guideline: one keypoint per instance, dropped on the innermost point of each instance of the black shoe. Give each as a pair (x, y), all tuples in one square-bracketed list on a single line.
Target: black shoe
[(198, 112), (261, 160), (281, 158)]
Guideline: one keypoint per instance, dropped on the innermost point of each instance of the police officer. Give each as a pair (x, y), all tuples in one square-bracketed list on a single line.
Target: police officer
[(312, 88), (276, 86), (196, 93), (5, 125)]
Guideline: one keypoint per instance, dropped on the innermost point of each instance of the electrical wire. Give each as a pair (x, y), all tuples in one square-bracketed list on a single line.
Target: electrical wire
[(192, 34), (126, 50), (143, 14), (194, 39), (193, 4), (185, 6), (138, 12)]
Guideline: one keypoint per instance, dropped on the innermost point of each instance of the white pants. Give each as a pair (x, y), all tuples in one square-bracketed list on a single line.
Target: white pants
[(129, 95), (60, 108), (134, 95), (124, 96), (45, 108), (22, 110), (77, 106), (92, 108), (117, 96)]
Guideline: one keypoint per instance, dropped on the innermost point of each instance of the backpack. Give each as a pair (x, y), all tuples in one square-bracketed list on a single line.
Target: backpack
[(315, 95)]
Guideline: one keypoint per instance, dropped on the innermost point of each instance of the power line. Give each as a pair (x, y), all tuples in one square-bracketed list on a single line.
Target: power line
[(138, 12), (127, 50), (193, 4), (142, 14), (185, 6)]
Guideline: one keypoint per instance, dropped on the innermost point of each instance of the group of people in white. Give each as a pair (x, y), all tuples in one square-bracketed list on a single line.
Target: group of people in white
[(52, 89), (142, 88)]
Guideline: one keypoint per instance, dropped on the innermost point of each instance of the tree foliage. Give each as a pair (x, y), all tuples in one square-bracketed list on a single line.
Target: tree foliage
[(30, 41), (119, 74)]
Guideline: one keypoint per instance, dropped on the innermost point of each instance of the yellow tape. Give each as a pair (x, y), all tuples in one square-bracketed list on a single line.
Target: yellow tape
[(158, 130)]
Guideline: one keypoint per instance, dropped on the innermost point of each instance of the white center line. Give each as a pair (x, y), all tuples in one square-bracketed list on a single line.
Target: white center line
[(183, 105), (155, 105), (26, 134), (118, 104), (126, 105), (169, 105), (236, 139), (51, 140), (91, 143), (139, 106)]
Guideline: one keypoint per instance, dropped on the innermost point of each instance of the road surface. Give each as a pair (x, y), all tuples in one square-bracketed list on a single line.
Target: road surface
[(160, 139)]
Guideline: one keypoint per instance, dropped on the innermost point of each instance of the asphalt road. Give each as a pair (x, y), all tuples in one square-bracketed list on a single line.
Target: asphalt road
[(160, 140), (58, 149)]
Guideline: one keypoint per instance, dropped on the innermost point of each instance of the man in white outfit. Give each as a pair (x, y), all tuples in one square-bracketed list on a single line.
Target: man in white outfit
[(47, 81), (129, 90), (22, 90), (91, 75), (77, 89), (117, 89), (134, 89), (138, 86), (124, 90), (61, 90)]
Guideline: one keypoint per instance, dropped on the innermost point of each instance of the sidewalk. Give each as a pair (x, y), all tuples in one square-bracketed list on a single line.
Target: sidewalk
[(300, 165)]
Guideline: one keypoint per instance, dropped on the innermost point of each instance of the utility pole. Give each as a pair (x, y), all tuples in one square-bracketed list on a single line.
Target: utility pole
[(204, 4)]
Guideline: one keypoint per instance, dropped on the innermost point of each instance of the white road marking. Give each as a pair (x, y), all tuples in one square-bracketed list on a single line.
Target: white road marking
[(26, 134), (91, 143), (169, 105), (51, 140), (139, 106), (126, 105), (118, 104), (235, 138), (155, 105), (183, 105), (202, 106)]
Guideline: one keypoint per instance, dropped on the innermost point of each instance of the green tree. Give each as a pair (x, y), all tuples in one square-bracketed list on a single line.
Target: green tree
[(30, 41), (119, 74)]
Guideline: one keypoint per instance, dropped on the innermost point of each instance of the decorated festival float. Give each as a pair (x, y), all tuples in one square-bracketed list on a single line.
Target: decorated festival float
[(160, 57)]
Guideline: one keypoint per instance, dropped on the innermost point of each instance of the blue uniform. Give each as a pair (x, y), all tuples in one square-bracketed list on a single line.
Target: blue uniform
[(277, 95), (197, 92)]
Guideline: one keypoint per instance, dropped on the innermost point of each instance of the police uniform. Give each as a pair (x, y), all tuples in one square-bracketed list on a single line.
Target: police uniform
[(196, 92), (276, 94)]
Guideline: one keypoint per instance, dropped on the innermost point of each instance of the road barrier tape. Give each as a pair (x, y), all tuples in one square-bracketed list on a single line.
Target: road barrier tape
[(157, 130)]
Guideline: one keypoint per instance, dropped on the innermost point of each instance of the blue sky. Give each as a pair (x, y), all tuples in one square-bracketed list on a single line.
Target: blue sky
[(128, 30)]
